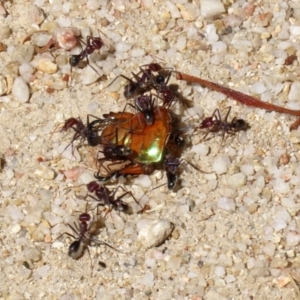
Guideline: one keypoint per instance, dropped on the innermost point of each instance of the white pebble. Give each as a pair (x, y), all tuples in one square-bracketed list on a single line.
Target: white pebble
[(143, 180), (257, 88), (247, 169), (43, 270), (237, 180), (150, 263), (230, 278), (15, 213), (26, 71), (294, 91), (122, 47), (211, 34), (92, 107), (85, 178), (155, 233), (46, 66), (279, 224), (226, 203), (292, 238), (20, 90), (148, 279), (173, 10), (93, 4), (269, 249), (220, 271), (137, 52), (15, 229), (218, 47), (287, 202), (44, 172), (210, 8), (89, 76), (221, 164), (280, 186), (295, 30), (181, 43), (3, 85)]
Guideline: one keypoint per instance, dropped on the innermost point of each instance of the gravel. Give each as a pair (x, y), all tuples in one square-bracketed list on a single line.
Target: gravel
[(230, 234)]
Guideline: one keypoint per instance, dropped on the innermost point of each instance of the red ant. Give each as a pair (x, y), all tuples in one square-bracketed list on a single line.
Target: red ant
[(171, 165), (84, 236), (92, 44), (216, 124), (113, 150), (242, 98), (144, 82), (88, 132), (145, 105), (105, 197)]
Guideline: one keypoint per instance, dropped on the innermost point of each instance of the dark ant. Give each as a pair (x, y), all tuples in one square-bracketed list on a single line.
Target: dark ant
[(82, 131), (113, 150), (144, 81), (105, 197), (216, 124), (171, 165), (84, 236), (145, 105), (92, 44)]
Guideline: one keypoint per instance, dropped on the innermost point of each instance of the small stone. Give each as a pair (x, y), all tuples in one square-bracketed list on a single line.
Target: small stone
[(221, 164), (226, 203), (220, 271), (35, 15), (294, 91), (46, 66), (292, 238), (5, 32), (189, 11), (20, 90), (155, 233), (44, 172), (23, 53), (278, 262), (3, 85), (237, 180), (174, 262), (15, 229), (211, 8)]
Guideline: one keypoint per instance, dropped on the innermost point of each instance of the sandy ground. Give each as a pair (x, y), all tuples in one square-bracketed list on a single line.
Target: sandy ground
[(236, 233)]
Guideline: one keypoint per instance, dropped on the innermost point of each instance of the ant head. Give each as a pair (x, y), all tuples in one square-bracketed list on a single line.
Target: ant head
[(123, 150), (121, 206), (130, 89), (74, 60), (240, 124), (93, 139), (76, 249), (179, 141), (160, 79), (172, 178)]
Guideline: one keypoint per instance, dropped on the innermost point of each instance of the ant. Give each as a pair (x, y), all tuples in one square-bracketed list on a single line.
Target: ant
[(216, 124), (145, 105), (171, 165), (92, 44), (105, 197), (143, 82), (88, 132), (84, 236)]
